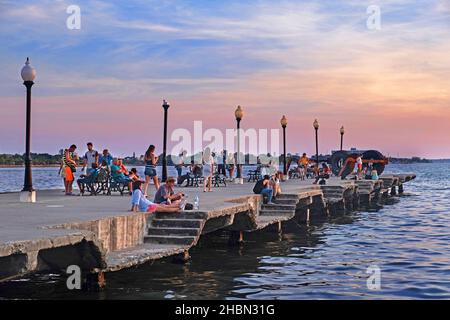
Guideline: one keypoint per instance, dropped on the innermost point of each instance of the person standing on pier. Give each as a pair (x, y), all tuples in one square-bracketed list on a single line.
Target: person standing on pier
[(303, 163), (151, 161), (230, 165), (208, 169), (359, 168), (180, 164), (90, 157), (220, 161), (69, 166)]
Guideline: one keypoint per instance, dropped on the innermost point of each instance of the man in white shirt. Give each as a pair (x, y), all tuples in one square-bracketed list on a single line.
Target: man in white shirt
[(90, 157)]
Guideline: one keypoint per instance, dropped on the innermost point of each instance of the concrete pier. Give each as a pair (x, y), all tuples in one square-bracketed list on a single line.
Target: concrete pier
[(99, 234)]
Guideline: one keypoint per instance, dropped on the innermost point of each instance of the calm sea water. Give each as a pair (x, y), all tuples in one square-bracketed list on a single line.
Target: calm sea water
[(408, 240)]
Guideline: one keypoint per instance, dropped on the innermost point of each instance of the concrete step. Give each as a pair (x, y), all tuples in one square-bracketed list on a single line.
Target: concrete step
[(275, 212), (183, 240), (181, 215), (278, 207), (289, 201), (173, 231), (177, 223), (287, 196)]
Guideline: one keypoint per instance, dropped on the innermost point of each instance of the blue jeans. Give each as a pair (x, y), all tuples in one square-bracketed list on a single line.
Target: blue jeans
[(179, 170), (268, 192)]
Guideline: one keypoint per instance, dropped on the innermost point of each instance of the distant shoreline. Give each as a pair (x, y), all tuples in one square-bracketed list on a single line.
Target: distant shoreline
[(34, 165)]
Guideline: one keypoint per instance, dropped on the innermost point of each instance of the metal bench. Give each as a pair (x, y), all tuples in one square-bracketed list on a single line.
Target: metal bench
[(219, 179), (254, 175)]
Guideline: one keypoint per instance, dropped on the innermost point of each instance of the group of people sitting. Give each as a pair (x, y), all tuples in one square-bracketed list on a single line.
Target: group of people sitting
[(166, 200)]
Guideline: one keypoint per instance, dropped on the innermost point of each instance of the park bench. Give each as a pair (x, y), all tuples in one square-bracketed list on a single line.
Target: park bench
[(219, 179), (117, 186)]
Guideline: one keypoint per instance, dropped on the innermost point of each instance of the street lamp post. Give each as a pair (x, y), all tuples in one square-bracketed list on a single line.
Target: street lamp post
[(316, 128), (284, 122), (28, 194), (164, 164), (239, 114), (342, 131)]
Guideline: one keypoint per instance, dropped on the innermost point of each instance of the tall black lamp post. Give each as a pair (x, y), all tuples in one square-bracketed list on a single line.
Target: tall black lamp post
[(342, 131), (316, 128), (164, 164), (239, 114), (28, 194), (284, 122)]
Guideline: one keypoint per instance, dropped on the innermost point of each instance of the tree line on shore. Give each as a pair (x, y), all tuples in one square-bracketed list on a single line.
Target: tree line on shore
[(43, 159)]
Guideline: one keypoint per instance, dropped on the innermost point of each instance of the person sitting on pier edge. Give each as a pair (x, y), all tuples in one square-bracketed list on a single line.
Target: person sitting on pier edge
[(263, 188), (139, 203), (325, 174), (275, 183), (118, 175), (166, 194), (89, 177)]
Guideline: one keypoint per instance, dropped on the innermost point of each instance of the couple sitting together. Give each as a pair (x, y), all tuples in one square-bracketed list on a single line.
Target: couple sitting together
[(166, 200), (268, 187)]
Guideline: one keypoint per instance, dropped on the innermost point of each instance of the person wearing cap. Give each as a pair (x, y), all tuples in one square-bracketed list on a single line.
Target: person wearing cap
[(166, 194)]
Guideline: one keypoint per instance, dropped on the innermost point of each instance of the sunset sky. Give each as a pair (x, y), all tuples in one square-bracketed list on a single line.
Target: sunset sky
[(105, 83)]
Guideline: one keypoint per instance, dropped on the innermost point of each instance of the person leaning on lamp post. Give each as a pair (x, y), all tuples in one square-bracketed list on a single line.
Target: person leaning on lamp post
[(139, 203)]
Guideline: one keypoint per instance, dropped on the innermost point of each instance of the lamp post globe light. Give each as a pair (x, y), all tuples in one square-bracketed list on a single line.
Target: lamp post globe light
[(165, 106), (284, 123), (239, 114), (342, 131), (316, 128), (28, 194)]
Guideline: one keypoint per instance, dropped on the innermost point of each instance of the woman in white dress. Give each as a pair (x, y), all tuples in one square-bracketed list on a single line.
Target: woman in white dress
[(208, 169)]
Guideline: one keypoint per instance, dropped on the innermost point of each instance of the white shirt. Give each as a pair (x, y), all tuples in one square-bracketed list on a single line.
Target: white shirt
[(90, 156)]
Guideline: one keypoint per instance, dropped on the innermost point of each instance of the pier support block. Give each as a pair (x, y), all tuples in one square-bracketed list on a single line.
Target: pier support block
[(275, 228), (303, 215), (393, 191), (182, 258), (94, 282), (236, 238)]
